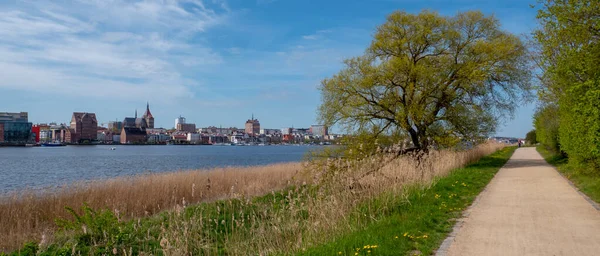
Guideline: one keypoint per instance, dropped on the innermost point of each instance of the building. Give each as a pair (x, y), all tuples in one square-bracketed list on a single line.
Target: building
[(252, 126), (133, 135), (179, 120), (148, 117), (183, 127), (15, 128), (35, 132), (193, 138), (319, 130), (58, 132), (84, 127), (115, 126), (269, 131), (137, 122)]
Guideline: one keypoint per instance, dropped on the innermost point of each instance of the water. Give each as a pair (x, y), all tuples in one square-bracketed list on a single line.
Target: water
[(47, 167)]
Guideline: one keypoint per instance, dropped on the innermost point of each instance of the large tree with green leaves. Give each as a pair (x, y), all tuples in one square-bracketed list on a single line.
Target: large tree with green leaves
[(429, 77), (569, 38)]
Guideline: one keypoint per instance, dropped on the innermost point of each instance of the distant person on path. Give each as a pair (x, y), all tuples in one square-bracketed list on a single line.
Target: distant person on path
[(519, 143)]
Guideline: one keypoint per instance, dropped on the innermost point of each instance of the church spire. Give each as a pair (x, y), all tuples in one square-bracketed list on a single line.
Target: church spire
[(136, 113), (147, 106)]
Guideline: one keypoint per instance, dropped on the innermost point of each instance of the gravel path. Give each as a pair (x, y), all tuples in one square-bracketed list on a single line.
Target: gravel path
[(527, 209)]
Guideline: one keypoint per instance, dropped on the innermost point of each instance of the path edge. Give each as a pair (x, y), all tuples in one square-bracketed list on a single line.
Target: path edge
[(586, 197), (443, 249)]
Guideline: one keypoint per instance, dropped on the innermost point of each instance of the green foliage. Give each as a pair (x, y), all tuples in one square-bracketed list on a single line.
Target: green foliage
[(431, 78), (426, 214), (546, 123), (569, 38), (531, 137)]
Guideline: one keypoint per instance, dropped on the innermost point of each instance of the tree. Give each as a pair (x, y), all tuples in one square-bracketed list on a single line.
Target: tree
[(430, 78), (569, 38), (531, 137), (545, 121)]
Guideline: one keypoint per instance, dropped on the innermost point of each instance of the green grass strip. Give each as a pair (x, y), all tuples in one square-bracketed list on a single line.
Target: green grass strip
[(420, 223)]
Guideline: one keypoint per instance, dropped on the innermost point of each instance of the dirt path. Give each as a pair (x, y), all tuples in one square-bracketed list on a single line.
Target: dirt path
[(527, 209)]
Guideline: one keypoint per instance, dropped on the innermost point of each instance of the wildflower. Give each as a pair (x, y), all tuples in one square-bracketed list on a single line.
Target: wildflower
[(369, 251), (356, 253), (437, 196), (340, 253), (405, 234), (373, 246), (425, 236), (396, 237)]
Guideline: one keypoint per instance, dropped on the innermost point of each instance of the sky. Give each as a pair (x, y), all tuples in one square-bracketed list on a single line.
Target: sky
[(215, 62)]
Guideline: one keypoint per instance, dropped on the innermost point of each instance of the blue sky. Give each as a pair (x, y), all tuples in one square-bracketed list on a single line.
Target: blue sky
[(216, 62)]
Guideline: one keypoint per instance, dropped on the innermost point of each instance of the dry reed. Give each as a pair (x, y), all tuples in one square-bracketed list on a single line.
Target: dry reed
[(343, 203), (339, 198), (29, 215)]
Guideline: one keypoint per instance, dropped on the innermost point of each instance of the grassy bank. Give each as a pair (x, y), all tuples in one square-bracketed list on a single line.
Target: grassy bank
[(29, 215), (336, 199), (421, 220), (584, 178)]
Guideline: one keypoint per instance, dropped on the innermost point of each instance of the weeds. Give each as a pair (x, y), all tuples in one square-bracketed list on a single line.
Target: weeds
[(330, 198)]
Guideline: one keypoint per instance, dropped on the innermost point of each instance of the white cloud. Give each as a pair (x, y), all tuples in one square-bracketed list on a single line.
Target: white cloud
[(310, 37), (111, 48)]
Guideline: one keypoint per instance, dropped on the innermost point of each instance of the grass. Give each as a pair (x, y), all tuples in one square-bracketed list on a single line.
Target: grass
[(330, 199), (585, 179), (421, 221), (31, 215)]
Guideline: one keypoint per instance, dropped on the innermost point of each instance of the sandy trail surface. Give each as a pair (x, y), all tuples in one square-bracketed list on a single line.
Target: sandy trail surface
[(527, 209)]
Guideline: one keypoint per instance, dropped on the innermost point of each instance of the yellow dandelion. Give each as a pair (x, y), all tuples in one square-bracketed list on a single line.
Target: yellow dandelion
[(340, 253), (405, 234), (356, 253), (369, 251), (425, 236), (373, 246), (396, 237)]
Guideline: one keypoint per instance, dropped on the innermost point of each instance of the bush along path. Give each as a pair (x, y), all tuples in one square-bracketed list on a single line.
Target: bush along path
[(422, 220)]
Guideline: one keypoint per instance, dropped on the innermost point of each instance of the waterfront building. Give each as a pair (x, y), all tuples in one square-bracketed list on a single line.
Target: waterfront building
[(252, 126), (286, 131), (15, 128), (45, 135), (43, 132), (193, 138), (84, 127), (179, 120), (137, 122), (133, 135), (115, 126), (319, 130), (148, 117), (179, 137), (156, 131), (183, 127), (35, 133), (269, 131)]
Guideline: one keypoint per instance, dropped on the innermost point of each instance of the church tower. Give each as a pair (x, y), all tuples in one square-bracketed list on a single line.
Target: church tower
[(148, 116)]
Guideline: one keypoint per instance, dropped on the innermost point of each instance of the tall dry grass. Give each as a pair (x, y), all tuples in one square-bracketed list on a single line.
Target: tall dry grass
[(29, 215), (336, 196), (349, 195)]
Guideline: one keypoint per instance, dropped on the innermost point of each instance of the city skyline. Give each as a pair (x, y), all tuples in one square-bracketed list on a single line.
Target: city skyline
[(214, 62)]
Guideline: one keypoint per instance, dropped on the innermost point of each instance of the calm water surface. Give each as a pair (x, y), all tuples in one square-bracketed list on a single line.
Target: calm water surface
[(47, 167)]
